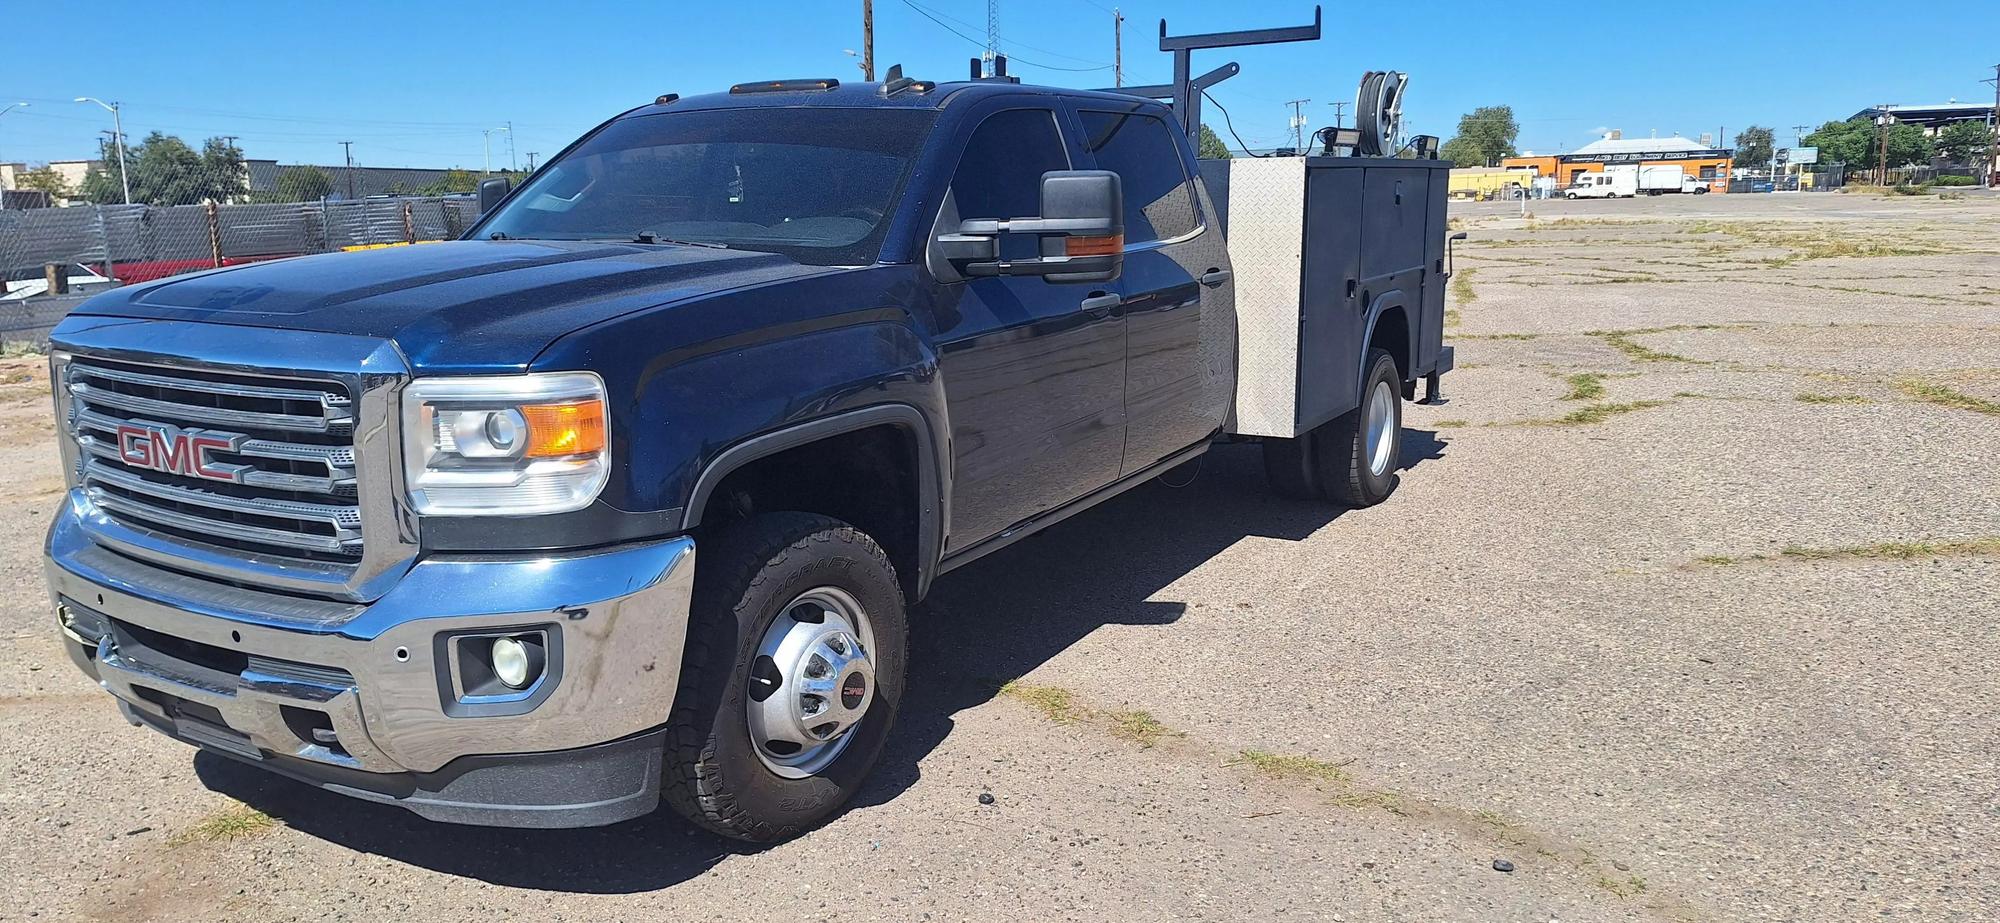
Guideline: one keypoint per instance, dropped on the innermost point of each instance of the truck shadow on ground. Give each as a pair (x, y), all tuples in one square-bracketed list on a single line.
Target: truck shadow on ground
[(981, 627)]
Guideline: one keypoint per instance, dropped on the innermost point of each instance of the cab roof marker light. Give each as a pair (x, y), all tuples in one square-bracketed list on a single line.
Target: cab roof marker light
[(784, 86)]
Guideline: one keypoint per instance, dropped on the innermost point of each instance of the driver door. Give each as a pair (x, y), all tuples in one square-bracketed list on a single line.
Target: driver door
[(1033, 370)]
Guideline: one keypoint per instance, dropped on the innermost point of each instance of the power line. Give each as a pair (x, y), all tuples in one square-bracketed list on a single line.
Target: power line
[(1017, 59)]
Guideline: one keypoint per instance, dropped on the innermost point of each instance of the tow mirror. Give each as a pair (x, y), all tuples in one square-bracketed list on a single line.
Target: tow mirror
[(1081, 230), (491, 191)]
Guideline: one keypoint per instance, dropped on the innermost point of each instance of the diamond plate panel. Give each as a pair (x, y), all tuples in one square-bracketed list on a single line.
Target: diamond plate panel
[(1264, 201)]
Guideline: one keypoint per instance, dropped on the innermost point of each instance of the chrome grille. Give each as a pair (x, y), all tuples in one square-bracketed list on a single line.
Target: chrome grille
[(275, 479)]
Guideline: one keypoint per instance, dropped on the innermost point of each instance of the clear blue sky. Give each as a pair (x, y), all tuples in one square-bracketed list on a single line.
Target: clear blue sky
[(413, 84)]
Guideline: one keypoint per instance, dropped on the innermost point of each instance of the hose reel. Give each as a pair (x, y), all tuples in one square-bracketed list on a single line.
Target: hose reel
[(1378, 112)]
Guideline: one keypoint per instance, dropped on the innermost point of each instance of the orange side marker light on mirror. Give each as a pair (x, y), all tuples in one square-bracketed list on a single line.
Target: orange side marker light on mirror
[(1093, 246)]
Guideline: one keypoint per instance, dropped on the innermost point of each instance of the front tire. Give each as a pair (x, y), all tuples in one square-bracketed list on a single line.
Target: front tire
[(794, 669)]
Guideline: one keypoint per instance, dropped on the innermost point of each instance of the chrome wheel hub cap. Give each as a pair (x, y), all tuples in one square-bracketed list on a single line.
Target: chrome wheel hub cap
[(1381, 432), (811, 682)]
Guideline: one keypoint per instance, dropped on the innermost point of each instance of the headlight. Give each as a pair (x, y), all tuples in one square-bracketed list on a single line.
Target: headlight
[(505, 444)]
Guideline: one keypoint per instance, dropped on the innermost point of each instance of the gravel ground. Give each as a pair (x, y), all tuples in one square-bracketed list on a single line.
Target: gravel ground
[(1714, 642)]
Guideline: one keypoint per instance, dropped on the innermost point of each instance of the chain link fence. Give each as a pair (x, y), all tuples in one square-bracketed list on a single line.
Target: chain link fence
[(72, 234)]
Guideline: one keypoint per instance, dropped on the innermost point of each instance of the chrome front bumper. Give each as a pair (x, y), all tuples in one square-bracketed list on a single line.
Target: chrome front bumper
[(369, 688)]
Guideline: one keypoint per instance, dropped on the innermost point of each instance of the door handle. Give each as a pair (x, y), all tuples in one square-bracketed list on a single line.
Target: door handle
[(1215, 277), (1101, 302)]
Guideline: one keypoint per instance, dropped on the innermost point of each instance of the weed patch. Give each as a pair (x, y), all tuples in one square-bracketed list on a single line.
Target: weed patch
[(1636, 351), (1934, 393), (1461, 287), (1585, 386), (1288, 766), (1625, 886), (1598, 413), (230, 824), (1891, 551), (1815, 398), (1054, 702), (1140, 728)]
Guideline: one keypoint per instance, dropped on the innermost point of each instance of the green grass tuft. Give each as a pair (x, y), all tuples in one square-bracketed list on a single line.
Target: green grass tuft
[(1627, 886), (1287, 766), (1598, 413), (1622, 341), (1942, 395), (1815, 398), (1054, 702), (1140, 728), (1890, 551), (1461, 287), (229, 824), (1585, 386)]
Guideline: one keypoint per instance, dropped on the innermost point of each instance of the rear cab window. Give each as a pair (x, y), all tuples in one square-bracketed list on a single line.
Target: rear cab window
[(1141, 149)]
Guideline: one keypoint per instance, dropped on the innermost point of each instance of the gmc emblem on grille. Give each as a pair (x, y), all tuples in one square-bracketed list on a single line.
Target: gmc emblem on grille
[(185, 452)]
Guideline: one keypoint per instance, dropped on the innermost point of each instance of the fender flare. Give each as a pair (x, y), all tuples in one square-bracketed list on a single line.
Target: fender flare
[(1394, 298), (930, 478)]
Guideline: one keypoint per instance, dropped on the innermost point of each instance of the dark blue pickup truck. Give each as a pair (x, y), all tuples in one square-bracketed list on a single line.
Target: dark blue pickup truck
[(626, 495)]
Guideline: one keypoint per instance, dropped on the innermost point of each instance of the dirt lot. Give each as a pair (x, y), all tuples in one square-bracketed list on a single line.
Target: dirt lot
[(1687, 607)]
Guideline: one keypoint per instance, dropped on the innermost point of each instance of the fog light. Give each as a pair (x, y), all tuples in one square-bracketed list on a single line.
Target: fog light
[(511, 664)]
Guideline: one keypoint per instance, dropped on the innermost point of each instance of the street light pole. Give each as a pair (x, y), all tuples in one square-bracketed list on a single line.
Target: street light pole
[(117, 139), (488, 136), (19, 105)]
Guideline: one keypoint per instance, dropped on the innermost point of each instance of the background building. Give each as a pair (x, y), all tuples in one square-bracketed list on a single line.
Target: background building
[(1694, 158)]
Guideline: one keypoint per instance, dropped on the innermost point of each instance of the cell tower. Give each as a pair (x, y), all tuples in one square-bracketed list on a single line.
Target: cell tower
[(992, 38)]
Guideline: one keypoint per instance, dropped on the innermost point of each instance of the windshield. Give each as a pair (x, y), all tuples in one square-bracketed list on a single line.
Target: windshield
[(815, 184)]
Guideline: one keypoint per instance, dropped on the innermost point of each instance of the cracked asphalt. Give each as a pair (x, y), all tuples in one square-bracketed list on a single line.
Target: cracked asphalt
[(1718, 644)]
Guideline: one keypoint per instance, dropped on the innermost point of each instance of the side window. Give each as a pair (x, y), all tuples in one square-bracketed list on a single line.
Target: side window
[(1140, 149), (1000, 174)]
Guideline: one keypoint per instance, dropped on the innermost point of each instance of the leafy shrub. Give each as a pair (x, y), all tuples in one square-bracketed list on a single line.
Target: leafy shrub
[(1952, 180)]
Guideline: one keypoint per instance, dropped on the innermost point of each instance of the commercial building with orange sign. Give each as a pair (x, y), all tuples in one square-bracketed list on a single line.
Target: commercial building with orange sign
[(1710, 165)]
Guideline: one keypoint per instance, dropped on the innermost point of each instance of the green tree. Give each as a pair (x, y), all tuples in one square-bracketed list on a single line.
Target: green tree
[(1485, 135), (46, 179), (303, 184), (1754, 146), (454, 182), (165, 171), (1211, 146), (1857, 144), (1963, 142)]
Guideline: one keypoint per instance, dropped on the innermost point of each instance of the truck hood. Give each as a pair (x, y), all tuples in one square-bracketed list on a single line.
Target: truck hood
[(461, 305)]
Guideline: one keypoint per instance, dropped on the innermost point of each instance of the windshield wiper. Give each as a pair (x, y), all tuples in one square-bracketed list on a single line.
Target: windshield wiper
[(648, 237)]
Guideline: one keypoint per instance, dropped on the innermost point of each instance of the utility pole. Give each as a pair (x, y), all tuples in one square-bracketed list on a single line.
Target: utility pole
[(1298, 125), (531, 161), (1117, 48), (868, 40), (1991, 168), (1340, 113), (1799, 135), (1882, 139), (347, 151), (513, 163)]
